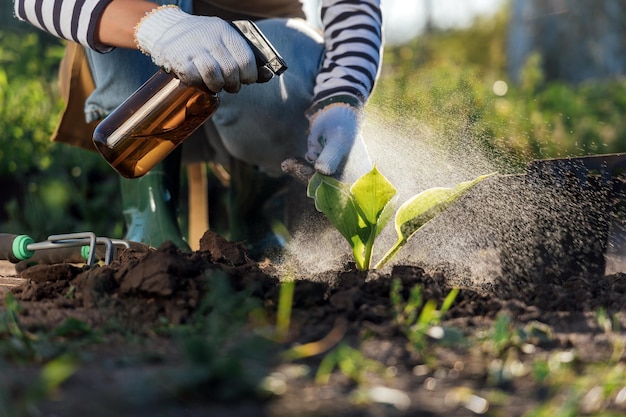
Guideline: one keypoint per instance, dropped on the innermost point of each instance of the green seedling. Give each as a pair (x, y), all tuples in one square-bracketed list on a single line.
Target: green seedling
[(18, 344), (420, 319), (361, 211), (507, 335), (610, 326), (283, 313), (22, 399), (351, 362), (225, 355)]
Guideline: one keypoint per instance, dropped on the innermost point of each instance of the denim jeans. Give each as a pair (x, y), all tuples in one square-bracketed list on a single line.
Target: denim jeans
[(262, 124), (117, 74)]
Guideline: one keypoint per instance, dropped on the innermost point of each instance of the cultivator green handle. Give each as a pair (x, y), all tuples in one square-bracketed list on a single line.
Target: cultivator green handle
[(14, 248), (67, 248)]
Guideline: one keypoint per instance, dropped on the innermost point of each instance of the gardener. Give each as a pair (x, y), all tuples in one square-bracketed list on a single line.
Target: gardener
[(315, 109)]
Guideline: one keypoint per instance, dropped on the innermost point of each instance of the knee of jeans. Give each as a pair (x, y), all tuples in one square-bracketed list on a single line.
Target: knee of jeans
[(263, 137), (116, 75)]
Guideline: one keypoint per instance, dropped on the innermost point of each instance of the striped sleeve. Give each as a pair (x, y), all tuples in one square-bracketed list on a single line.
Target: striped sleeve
[(353, 48), (73, 20)]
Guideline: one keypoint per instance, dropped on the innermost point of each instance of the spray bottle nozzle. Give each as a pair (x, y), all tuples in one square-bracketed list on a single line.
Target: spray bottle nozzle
[(269, 61)]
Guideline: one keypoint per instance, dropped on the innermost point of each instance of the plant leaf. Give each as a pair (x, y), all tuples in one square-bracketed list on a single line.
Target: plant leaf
[(314, 183), (372, 192), (334, 199), (55, 372), (385, 216), (425, 206), (422, 208)]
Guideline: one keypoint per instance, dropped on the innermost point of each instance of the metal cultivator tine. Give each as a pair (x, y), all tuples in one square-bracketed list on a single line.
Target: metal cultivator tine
[(81, 239), (77, 239)]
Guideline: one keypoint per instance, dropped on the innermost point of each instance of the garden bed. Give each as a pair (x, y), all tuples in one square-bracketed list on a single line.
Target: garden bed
[(167, 333)]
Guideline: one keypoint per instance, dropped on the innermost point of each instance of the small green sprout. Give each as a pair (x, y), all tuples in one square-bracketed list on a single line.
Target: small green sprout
[(351, 362), (420, 319), (361, 211)]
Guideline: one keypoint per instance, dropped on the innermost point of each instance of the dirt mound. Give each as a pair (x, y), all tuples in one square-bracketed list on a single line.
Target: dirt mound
[(168, 284)]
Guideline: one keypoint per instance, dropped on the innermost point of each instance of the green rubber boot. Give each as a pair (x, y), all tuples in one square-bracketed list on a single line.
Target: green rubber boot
[(257, 210), (150, 205)]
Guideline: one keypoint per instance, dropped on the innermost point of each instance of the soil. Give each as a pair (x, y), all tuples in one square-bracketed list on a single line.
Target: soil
[(139, 365)]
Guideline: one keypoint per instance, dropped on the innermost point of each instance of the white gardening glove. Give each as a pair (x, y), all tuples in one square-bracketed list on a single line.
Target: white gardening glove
[(198, 49), (335, 145)]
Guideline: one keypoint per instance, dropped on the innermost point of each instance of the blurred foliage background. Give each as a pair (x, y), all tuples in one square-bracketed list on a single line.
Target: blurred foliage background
[(45, 188), (454, 81)]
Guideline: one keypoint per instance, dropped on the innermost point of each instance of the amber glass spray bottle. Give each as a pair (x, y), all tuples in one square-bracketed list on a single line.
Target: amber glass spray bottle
[(163, 112)]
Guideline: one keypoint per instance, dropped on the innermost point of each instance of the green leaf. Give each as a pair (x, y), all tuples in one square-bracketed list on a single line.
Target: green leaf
[(55, 372), (334, 199), (285, 304), (372, 192), (448, 301), (385, 216), (422, 208), (72, 327), (314, 183), (425, 206), (358, 212), (361, 211)]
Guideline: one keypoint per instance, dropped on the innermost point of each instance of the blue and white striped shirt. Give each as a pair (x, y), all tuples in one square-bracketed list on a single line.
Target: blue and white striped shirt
[(352, 37)]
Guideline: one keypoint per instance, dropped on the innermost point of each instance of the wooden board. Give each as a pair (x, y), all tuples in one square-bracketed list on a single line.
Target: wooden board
[(9, 278)]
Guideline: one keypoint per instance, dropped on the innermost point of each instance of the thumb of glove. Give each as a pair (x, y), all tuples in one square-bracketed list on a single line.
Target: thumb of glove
[(332, 134)]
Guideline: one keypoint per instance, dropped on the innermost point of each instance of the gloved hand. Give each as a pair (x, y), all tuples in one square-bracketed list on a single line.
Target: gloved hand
[(198, 49), (335, 146)]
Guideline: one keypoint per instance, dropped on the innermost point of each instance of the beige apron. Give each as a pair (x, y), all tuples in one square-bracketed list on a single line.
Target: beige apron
[(75, 84)]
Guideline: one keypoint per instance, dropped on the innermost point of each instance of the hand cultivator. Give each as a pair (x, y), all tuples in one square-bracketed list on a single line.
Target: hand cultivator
[(84, 247)]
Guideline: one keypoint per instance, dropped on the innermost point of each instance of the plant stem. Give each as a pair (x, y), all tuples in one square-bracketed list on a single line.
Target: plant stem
[(390, 254), (369, 248), (359, 258), (285, 303)]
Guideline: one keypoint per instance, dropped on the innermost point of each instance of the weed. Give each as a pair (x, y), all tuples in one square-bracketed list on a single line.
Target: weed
[(506, 335), (350, 361), (285, 304), (504, 346), (610, 326), (19, 344), (20, 400), (420, 320), (225, 356), (593, 389)]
